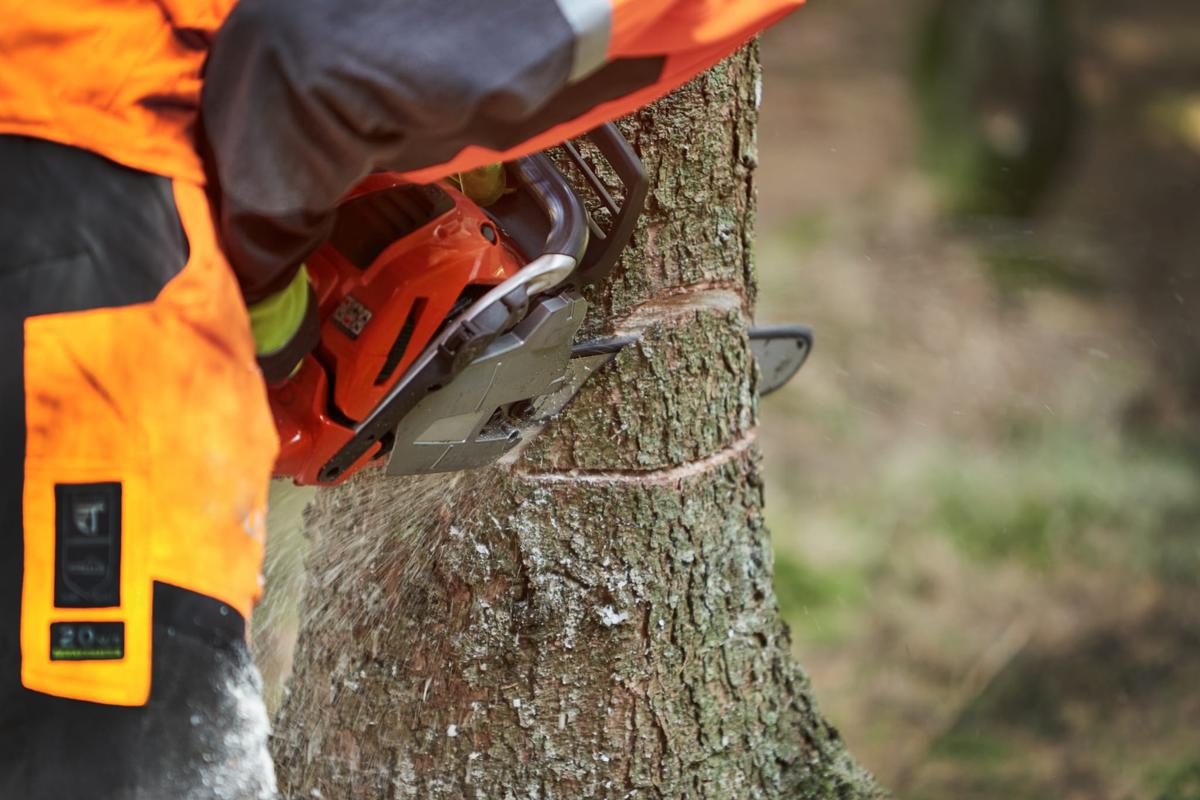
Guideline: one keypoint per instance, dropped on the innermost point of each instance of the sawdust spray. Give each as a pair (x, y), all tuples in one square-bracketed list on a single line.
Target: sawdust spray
[(396, 528)]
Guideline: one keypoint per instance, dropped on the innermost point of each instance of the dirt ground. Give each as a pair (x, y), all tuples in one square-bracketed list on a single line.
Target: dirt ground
[(985, 485)]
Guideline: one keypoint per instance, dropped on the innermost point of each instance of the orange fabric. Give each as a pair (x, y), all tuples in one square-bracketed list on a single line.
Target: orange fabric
[(118, 77), (693, 35), (658, 27), (165, 398)]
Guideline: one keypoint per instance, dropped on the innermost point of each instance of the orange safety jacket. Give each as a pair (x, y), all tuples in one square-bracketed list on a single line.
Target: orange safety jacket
[(687, 36), (117, 77), (302, 98)]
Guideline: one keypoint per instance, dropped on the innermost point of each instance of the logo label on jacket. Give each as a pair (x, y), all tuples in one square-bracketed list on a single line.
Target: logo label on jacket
[(87, 570)]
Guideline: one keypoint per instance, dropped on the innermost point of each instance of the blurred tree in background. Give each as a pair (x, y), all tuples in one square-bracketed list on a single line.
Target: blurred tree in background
[(995, 100)]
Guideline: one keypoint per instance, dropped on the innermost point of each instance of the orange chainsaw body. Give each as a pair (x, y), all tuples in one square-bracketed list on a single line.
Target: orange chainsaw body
[(400, 258)]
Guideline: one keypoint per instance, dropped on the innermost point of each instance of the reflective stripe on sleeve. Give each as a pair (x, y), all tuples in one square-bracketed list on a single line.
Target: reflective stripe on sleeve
[(592, 22)]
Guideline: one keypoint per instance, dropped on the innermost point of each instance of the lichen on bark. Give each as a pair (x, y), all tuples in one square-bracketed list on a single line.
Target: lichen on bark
[(598, 620)]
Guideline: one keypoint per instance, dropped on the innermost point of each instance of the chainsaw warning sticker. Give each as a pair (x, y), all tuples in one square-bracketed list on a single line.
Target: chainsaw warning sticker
[(352, 317), (87, 641)]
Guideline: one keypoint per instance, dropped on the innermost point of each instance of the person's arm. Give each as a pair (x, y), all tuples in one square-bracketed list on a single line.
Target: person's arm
[(303, 99)]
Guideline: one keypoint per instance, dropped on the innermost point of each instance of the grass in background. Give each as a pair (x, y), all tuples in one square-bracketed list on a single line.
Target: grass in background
[(1063, 496), (819, 601), (1064, 492), (1056, 502), (1182, 782)]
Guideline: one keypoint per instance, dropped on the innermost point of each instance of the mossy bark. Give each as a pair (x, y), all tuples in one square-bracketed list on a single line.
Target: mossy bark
[(597, 621)]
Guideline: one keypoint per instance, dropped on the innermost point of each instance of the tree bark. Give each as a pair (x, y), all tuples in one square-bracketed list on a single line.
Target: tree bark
[(599, 620)]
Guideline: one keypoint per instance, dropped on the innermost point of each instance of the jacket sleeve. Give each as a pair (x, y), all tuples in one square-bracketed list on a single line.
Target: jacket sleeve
[(303, 99)]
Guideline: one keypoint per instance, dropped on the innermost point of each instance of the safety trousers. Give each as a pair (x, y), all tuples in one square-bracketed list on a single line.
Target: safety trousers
[(135, 449)]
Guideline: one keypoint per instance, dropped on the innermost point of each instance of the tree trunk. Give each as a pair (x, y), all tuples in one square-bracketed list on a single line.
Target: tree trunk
[(597, 621)]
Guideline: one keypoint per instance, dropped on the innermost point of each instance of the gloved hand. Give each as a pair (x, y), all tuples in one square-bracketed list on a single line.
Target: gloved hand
[(286, 327)]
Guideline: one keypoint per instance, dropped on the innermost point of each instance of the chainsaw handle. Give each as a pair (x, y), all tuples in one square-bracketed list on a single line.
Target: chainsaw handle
[(568, 234), (604, 248), (550, 219)]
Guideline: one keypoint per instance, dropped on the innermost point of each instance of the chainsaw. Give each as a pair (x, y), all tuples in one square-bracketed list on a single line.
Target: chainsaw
[(448, 329)]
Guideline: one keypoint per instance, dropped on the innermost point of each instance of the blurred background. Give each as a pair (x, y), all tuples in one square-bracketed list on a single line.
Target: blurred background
[(984, 487)]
